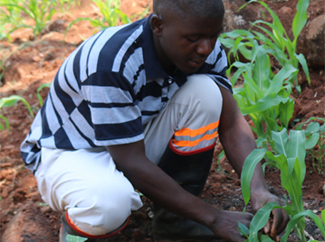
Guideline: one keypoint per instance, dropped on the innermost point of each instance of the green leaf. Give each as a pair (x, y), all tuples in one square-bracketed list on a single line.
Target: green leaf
[(280, 77), (6, 123), (312, 127), (260, 219), (248, 169), (280, 139), (73, 238), (300, 18), (263, 104), (286, 112), (295, 219), (243, 229), (265, 238), (312, 141), (261, 70), (303, 63), (296, 145)]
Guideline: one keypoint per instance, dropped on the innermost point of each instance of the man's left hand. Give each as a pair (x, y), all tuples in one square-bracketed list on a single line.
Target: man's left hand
[(279, 217)]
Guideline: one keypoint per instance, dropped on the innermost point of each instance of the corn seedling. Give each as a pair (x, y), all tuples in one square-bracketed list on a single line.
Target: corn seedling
[(111, 15), (289, 157), (10, 14), (41, 11), (315, 136), (276, 42), (9, 102), (40, 100), (66, 4), (263, 96)]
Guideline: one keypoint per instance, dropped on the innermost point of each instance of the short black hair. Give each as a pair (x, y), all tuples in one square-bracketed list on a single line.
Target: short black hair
[(198, 8)]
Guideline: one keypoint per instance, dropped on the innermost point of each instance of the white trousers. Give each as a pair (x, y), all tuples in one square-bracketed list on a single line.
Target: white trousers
[(99, 198)]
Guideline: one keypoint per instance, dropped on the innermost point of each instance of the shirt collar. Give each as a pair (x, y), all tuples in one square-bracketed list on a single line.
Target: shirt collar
[(152, 64)]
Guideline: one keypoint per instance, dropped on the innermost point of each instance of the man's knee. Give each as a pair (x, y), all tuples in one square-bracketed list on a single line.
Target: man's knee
[(105, 208), (201, 94)]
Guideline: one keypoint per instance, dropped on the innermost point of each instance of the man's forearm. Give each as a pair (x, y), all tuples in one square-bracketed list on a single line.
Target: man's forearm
[(238, 145), (159, 187)]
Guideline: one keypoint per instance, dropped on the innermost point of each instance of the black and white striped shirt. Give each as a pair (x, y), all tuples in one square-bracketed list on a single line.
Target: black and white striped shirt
[(106, 90)]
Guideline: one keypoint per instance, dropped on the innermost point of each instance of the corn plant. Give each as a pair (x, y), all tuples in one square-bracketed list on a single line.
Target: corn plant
[(315, 134), (66, 4), (41, 11), (111, 15), (8, 13), (263, 96), (44, 85), (289, 157), (275, 41), (9, 102)]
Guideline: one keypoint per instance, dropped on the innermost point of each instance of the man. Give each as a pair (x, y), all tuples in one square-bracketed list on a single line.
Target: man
[(139, 106)]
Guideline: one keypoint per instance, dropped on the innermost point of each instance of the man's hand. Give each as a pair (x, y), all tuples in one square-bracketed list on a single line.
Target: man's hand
[(227, 225), (259, 198)]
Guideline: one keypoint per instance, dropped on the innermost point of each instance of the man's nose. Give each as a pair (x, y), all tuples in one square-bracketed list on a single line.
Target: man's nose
[(205, 47)]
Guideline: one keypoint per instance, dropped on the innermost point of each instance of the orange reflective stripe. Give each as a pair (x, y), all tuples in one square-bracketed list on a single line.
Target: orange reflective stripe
[(188, 143), (195, 132)]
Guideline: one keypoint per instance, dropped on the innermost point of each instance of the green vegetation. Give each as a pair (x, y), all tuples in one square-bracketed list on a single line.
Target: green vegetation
[(265, 97), (111, 15), (40, 11), (9, 102), (273, 39), (315, 140), (289, 157), (40, 100)]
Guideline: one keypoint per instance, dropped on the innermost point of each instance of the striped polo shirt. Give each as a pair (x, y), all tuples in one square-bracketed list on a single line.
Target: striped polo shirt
[(106, 90)]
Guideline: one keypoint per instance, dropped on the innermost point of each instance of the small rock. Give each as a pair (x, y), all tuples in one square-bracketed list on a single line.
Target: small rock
[(10, 177), (46, 209), (285, 10), (36, 58), (5, 173), (5, 165), (6, 190), (14, 72)]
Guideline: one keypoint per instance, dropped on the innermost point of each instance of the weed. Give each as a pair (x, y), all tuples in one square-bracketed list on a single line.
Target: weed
[(315, 140)]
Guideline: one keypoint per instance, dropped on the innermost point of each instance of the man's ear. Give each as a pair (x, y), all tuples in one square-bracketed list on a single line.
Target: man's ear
[(156, 24)]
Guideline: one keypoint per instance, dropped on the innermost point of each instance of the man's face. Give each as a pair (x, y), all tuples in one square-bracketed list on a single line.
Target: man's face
[(186, 42)]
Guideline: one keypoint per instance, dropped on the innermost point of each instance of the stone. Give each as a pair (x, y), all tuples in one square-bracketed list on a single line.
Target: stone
[(13, 73), (285, 10), (312, 44), (235, 19)]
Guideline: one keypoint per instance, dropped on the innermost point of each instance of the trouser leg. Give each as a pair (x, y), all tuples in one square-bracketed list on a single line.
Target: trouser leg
[(97, 198), (192, 120)]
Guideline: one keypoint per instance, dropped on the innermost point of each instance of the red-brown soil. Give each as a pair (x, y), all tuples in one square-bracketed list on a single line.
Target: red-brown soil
[(30, 61)]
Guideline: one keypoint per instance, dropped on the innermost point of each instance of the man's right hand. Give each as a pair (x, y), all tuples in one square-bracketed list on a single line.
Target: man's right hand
[(226, 226)]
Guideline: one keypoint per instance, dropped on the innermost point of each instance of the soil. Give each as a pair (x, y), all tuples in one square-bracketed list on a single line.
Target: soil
[(30, 62)]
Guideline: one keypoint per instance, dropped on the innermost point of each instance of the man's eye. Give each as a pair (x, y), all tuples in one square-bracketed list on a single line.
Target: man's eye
[(193, 38)]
